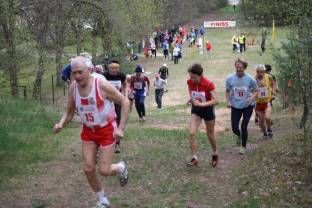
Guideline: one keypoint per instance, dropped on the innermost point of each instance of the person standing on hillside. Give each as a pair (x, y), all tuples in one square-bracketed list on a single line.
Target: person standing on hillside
[(164, 74), (240, 94), (159, 85), (118, 80), (153, 49), (263, 99), (94, 98), (208, 48), (234, 42), (176, 54), (203, 98), (264, 35), (165, 47), (242, 41)]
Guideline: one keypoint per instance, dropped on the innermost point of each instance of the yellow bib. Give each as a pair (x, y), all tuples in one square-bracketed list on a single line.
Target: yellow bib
[(264, 93)]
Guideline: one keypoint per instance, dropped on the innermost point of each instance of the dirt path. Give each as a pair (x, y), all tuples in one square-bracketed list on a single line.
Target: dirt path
[(61, 182)]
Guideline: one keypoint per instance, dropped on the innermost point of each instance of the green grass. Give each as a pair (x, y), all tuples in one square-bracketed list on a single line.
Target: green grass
[(156, 155), (229, 10), (26, 139), (277, 174), (157, 159)]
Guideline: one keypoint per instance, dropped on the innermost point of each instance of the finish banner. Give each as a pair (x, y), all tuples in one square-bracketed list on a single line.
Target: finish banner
[(219, 23)]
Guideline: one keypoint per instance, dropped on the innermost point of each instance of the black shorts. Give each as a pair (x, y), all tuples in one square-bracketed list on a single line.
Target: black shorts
[(206, 113)]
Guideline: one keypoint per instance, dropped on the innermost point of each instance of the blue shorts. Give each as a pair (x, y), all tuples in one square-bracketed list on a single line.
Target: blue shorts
[(206, 113)]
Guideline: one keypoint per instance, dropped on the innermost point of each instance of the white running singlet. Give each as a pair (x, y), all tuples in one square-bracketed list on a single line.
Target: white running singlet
[(93, 109)]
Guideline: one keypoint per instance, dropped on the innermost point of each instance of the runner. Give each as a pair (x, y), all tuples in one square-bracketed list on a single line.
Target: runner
[(263, 99), (140, 85), (164, 74), (241, 90), (208, 48), (118, 80), (203, 97), (93, 98), (159, 86), (268, 70)]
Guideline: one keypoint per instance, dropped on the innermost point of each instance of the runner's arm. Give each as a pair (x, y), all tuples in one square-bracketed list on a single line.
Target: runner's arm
[(227, 97), (70, 112), (212, 102), (214, 99)]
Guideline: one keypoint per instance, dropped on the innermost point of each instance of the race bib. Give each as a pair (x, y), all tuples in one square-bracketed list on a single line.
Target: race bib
[(116, 83), (138, 85), (263, 92), (200, 96), (240, 93)]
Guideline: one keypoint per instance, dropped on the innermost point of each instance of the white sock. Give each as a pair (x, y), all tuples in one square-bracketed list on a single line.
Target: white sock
[(121, 166), (195, 156), (102, 197)]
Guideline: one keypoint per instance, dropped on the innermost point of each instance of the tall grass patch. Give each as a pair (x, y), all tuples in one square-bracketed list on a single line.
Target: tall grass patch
[(25, 132)]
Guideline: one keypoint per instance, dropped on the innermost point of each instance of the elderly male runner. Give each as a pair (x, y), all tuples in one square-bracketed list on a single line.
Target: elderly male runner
[(265, 93), (93, 98)]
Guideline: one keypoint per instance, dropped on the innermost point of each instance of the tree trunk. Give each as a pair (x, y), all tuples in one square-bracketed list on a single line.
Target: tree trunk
[(79, 37), (12, 59), (94, 47), (8, 26), (58, 59), (42, 67)]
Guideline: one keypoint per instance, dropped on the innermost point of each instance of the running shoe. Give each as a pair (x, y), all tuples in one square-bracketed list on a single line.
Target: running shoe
[(214, 161), (192, 163), (117, 148), (123, 178), (100, 205), (270, 134), (242, 150), (265, 135)]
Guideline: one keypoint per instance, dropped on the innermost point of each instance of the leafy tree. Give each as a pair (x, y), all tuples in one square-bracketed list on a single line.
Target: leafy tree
[(37, 15), (283, 12), (8, 19)]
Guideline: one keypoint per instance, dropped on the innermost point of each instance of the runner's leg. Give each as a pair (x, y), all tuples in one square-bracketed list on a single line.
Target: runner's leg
[(268, 116), (247, 113), (195, 123), (236, 115), (89, 151), (210, 125), (262, 122)]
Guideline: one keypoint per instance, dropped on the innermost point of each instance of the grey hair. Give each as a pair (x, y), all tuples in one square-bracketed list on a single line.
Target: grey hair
[(260, 67), (80, 59)]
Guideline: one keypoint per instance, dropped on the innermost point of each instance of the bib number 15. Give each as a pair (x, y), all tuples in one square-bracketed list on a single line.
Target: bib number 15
[(89, 117)]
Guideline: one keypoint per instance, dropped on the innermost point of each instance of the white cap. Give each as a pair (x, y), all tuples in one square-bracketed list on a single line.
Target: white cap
[(164, 64)]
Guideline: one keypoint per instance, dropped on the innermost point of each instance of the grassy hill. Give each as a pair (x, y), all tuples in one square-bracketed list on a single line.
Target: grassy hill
[(44, 170)]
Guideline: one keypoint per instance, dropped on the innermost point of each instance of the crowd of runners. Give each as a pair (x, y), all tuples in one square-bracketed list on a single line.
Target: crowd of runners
[(103, 100)]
